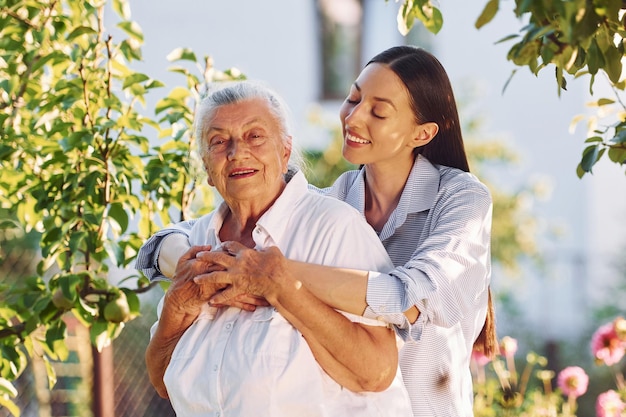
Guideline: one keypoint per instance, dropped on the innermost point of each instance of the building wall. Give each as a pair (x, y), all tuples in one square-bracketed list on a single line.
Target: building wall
[(277, 41)]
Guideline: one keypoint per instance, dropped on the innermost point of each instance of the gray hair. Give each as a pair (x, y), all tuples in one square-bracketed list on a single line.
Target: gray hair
[(235, 92)]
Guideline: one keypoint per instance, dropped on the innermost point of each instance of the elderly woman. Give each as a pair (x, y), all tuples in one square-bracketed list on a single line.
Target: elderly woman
[(270, 360)]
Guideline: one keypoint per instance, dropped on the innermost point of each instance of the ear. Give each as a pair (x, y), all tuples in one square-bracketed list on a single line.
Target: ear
[(425, 133), (287, 143)]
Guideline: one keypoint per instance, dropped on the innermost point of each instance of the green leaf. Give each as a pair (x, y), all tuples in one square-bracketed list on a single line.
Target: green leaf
[(182, 54), (590, 157), (132, 29), (617, 154), (114, 251), (603, 102), (154, 84), (122, 8), (10, 406), (52, 375), (133, 301), (508, 80), (81, 30), (613, 66), (7, 388), (134, 79), (595, 58), (619, 138), (55, 340), (507, 38), (488, 13), (99, 336), (593, 139), (119, 215)]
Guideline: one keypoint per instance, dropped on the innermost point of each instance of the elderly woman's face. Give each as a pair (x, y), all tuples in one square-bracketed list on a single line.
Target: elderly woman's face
[(245, 154)]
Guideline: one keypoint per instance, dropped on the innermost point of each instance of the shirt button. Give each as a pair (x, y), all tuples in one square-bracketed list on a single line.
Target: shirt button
[(215, 367), (257, 230), (228, 326)]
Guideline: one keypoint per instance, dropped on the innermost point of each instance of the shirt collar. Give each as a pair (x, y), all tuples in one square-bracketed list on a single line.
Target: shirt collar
[(419, 194), (215, 224), (422, 187), (274, 222)]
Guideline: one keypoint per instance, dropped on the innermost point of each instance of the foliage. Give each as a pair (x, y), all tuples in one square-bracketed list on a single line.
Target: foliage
[(81, 175), (78, 168), (501, 391), (577, 38), (323, 167)]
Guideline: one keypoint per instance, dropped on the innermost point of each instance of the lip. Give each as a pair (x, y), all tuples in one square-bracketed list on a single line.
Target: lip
[(355, 141), (239, 173)]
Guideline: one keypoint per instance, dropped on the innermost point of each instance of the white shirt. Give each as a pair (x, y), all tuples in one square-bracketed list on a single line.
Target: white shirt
[(236, 363), (439, 239)]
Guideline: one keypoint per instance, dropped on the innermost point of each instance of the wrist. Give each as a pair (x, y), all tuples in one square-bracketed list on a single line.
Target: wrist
[(284, 286)]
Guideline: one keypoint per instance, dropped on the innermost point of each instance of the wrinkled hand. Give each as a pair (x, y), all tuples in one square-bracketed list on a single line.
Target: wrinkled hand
[(247, 273), (184, 296), (189, 265)]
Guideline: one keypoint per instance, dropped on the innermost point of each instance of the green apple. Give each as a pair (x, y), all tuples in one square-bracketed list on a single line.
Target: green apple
[(117, 310), (60, 301)]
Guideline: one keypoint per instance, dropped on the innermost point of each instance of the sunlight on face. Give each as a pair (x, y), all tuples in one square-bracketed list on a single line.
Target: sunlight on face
[(378, 122), (245, 154)]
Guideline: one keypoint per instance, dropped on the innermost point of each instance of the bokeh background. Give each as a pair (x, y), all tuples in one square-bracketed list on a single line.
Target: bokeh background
[(310, 51)]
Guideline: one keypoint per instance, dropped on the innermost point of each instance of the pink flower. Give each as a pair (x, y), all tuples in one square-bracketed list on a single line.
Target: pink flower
[(609, 404), (508, 346), (606, 346), (480, 358), (573, 381)]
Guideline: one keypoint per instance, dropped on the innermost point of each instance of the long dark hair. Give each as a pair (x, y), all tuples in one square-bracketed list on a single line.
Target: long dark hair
[(432, 100)]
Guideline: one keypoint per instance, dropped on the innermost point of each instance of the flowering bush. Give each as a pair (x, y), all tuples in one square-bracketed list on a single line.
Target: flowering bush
[(500, 391)]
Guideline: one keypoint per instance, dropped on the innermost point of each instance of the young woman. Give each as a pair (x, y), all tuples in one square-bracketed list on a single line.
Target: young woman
[(400, 122)]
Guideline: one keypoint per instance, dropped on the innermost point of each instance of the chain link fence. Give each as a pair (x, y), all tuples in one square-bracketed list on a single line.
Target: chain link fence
[(72, 394)]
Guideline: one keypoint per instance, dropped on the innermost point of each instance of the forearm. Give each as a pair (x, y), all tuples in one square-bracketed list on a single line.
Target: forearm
[(180, 308), (160, 349), (173, 247), (340, 288), (360, 358), (158, 355)]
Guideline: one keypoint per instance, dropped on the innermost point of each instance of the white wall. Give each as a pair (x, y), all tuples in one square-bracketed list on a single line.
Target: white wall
[(270, 40), (276, 41)]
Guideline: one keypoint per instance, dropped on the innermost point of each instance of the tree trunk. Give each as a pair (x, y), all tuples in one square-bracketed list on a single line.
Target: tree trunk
[(103, 385)]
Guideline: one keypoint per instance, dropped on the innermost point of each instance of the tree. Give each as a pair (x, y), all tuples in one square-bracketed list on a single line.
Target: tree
[(576, 38), (78, 168)]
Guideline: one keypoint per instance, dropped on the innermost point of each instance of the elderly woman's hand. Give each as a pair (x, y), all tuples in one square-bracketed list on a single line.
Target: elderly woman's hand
[(185, 297), (251, 276)]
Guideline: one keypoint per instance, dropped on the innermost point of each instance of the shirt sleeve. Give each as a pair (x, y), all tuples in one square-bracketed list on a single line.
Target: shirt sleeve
[(448, 274), (148, 256)]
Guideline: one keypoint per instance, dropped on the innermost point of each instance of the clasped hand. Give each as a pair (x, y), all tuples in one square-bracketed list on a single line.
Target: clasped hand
[(233, 275)]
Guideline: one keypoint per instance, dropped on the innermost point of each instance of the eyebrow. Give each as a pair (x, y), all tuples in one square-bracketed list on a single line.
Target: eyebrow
[(381, 99), (256, 120)]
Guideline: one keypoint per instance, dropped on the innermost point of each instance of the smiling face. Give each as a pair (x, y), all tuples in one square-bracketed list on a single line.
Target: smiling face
[(245, 153), (378, 121)]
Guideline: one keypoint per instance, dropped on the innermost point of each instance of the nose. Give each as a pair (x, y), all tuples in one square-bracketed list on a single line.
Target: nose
[(236, 149), (351, 115)]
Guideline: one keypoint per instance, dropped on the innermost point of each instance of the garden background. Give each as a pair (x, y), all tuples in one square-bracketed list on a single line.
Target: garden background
[(558, 238)]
